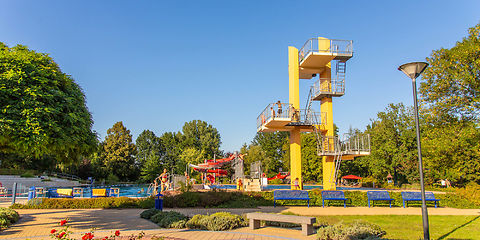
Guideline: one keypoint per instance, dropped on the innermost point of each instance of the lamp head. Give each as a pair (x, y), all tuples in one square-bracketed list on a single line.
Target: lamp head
[(413, 69)]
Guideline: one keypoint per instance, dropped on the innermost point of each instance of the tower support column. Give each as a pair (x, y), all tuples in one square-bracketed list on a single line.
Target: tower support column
[(294, 99)]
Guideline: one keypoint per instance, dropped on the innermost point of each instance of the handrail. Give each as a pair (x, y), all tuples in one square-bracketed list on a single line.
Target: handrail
[(328, 85), (303, 116), (349, 144), (274, 110), (333, 46)]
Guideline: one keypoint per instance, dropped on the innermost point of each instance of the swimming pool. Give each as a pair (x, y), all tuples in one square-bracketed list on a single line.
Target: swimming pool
[(286, 187)]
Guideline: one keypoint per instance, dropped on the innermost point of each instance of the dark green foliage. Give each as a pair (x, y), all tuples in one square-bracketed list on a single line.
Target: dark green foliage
[(119, 151), (7, 217), (147, 214), (166, 219), (351, 231), (219, 221), (56, 203), (43, 110), (201, 136), (199, 199)]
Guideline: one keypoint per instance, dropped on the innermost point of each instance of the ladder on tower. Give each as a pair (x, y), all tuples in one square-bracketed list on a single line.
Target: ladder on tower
[(340, 70)]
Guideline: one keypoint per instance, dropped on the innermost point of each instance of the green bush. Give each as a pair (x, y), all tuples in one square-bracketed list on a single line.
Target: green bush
[(355, 230), (147, 214), (219, 221), (7, 217), (167, 219), (79, 203), (27, 175), (197, 222)]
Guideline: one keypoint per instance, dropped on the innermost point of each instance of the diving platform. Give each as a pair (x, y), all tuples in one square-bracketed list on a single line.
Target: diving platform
[(348, 148), (317, 53), (327, 87), (283, 117)]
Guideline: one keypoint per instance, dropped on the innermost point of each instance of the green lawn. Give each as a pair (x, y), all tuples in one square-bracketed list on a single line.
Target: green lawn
[(410, 227)]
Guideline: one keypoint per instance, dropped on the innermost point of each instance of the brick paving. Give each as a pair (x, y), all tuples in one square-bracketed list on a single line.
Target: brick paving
[(37, 223)]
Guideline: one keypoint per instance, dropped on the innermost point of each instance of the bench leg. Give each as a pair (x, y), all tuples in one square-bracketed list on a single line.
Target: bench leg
[(368, 203), (403, 203), (273, 203), (344, 204), (323, 203), (308, 202), (254, 224), (390, 203), (307, 229)]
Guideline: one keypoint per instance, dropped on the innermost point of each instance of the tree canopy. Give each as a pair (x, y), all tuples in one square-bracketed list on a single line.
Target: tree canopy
[(119, 152), (42, 109), (451, 86)]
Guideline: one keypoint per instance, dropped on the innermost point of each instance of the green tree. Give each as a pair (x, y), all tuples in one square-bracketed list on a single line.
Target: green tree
[(393, 144), (42, 109), (173, 145), (253, 153), (312, 167), (119, 152), (451, 86), (203, 137), (150, 155), (273, 146)]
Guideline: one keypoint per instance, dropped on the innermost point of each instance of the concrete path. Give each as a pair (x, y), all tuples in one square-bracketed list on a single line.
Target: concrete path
[(37, 223)]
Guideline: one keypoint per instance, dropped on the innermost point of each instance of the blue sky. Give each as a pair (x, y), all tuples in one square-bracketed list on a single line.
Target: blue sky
[(157, 64)]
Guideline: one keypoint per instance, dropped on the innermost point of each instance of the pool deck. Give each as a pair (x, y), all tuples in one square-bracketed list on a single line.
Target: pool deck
[(37, 223)]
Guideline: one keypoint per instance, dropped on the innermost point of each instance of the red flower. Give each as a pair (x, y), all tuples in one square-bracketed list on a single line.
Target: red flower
[(53, 231), (61, 235), (87, 236), (63, 222), (117, 233)]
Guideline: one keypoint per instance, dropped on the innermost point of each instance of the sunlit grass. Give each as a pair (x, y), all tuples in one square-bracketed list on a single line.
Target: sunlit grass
[(410, 227)]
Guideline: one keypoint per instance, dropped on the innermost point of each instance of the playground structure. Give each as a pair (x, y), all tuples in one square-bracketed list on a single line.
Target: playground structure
[(315, 58)]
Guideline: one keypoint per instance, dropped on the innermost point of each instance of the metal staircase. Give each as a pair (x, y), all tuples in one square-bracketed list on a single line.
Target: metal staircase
[(340, 69)]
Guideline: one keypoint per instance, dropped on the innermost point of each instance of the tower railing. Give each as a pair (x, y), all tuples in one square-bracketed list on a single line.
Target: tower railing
[(272, 111), (333, 46), (329, 86), (333, 145), (285, 111)]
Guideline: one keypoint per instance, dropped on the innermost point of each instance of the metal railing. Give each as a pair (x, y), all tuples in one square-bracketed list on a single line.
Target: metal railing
[(286, 111), (329, 86), (333, 46), (274, 110), (333, 145)]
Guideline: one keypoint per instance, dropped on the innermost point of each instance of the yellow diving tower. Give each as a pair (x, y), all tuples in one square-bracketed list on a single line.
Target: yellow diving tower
[(314, 59)]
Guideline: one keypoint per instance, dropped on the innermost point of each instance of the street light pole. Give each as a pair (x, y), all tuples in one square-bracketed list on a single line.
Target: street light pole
[(413, 70)]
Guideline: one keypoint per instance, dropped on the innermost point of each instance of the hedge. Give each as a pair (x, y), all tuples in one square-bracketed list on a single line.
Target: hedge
[(461, 198)]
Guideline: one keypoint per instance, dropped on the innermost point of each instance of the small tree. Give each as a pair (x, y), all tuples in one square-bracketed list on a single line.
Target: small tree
[(119, 152)]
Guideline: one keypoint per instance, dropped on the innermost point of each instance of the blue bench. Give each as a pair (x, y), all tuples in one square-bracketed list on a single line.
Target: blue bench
[(417, 196), (334, 195), (378, 196), (290, 195)]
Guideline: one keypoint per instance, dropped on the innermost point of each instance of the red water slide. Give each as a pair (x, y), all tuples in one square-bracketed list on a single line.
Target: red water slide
[(279, 176)]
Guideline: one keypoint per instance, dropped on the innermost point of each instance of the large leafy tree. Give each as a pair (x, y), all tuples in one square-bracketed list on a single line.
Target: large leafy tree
[(119, 152), (42, 109), (273, 146), (451, 86), (150, 155), (173, 145), (202, 136), (393, 144)]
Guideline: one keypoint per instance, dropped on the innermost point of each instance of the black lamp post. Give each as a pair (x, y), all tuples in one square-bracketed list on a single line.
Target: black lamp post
[(413, 70)]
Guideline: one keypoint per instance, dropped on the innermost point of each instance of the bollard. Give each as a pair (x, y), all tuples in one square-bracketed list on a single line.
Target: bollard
[(159, 202), (14, 192)]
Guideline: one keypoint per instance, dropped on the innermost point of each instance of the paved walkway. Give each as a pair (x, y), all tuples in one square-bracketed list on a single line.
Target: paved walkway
[(37, 223)]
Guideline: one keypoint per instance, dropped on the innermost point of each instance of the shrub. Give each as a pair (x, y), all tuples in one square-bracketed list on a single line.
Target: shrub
[(219, 221), (7, 217), (27, 175), (79, 203), (166, 219), (197, 222), (147, 214), (355, 230)]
